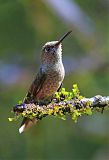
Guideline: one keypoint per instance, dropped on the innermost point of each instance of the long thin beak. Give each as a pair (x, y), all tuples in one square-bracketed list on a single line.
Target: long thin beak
[(63, 37)]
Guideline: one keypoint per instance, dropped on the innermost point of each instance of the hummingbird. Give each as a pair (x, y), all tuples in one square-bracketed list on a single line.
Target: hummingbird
[(48, 79)]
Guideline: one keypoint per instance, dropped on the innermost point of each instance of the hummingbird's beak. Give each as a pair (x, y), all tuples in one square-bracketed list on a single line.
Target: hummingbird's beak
[(62, 38)]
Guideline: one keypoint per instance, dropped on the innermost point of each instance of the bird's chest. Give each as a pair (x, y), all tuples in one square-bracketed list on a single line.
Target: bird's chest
[(52, 83)]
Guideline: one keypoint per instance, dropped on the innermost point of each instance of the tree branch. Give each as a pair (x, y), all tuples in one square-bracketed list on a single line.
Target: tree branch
[(64, 103)]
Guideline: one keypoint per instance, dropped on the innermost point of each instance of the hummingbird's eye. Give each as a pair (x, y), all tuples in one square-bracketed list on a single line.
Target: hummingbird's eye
[(47, 49)]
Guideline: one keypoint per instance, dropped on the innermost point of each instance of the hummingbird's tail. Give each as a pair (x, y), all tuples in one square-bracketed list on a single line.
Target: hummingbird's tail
[(27, 123)]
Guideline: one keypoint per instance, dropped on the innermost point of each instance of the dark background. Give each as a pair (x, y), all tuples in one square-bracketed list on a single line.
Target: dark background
[(25, 25)]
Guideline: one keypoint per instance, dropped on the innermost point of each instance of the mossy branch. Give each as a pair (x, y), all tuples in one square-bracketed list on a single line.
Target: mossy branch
[(64, 103)]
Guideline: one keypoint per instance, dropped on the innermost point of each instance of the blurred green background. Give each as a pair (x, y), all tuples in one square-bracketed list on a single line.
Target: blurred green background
[(25, 25)]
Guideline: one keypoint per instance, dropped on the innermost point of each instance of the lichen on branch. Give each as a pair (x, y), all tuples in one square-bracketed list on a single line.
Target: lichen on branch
[(64, 103)]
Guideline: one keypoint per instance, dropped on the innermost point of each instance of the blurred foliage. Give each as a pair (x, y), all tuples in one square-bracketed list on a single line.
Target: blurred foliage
[(25, 25)]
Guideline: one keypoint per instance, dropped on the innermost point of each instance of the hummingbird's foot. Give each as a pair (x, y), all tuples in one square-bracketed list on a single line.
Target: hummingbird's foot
[(60, 87), (43, 102)]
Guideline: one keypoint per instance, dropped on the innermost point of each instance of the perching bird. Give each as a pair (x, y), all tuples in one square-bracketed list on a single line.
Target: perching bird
[(49, 78)]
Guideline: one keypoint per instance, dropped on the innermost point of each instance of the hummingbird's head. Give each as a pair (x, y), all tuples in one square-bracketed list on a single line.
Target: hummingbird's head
[(52, 51)]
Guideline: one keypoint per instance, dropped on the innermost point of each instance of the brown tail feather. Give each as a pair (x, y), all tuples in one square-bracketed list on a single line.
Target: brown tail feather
[(26, 123)]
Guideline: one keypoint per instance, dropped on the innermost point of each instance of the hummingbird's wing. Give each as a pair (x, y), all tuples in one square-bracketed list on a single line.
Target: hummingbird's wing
[(31, 97), (35, 87)]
